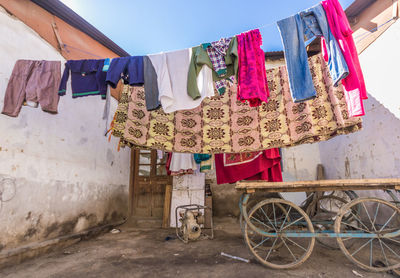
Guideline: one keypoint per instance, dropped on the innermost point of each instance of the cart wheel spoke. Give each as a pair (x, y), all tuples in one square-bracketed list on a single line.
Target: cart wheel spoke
[(383, 251), (261, 242), (369, 218), (388, 221), (376, 213), (357, 228), (362, 246), (295, 243), (290, 251), (359, 221), (391, 250), (388, 238), (272, 248), (284, 221), (268, 219), (294, 222), (262, 223)]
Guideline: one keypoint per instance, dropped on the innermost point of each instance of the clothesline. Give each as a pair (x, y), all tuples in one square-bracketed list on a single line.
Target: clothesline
[(95, 55), (371, 31), (81, 50), (362, 36)]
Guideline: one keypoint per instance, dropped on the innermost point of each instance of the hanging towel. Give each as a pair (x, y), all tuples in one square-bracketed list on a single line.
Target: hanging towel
[(252, 79), (199, 157), (207, 165)]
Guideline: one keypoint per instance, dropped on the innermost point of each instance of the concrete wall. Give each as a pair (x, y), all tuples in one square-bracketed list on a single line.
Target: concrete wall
[(373, 152), (58, 173)]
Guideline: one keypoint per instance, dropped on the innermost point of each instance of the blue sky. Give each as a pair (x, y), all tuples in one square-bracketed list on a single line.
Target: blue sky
[(151, 26)]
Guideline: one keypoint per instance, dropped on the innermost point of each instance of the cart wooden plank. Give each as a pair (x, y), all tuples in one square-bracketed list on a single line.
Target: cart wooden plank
[(319, 185)]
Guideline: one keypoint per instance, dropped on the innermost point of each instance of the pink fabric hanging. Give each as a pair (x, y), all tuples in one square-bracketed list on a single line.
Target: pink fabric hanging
[(353, 84), (252, 77)]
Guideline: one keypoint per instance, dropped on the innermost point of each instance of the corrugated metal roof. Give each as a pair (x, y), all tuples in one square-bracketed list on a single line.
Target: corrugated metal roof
[(60, 10)]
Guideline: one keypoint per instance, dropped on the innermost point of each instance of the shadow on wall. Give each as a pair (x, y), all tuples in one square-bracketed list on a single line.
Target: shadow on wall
[(373, 152)]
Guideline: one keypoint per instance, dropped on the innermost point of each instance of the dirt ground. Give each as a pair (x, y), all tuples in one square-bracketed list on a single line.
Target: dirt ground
[(146, 253)]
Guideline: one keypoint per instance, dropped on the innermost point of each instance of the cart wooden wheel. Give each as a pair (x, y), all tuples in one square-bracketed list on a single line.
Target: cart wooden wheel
[(280, 225), (374, 227)]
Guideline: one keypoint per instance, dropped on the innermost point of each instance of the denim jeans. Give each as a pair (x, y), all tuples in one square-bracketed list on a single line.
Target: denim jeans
[(308, 24)]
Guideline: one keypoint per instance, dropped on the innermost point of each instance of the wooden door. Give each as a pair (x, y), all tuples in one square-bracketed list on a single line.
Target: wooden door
[(149, 181)]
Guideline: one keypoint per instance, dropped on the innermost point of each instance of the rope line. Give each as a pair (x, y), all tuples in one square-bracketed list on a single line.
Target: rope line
[(361, 36)]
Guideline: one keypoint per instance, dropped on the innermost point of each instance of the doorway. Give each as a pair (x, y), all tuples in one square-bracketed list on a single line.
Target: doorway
[(147, 190)]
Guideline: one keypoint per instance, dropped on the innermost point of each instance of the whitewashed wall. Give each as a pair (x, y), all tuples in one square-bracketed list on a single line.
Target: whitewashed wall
[(373, 152), (59, 171)]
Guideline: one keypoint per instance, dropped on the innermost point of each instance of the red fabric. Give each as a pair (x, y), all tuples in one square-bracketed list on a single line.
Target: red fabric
[(263, 165), (168, 163), (353, 84), (252, 76)]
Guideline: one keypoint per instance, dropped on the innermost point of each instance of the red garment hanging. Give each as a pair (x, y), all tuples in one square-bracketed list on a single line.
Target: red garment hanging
[(264, 165)]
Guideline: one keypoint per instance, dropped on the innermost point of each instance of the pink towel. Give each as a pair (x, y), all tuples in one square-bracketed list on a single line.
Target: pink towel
[(353, 84), (252, 77)]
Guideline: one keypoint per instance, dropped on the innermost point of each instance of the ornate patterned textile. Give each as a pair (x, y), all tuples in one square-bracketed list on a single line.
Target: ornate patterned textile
[(225, 125)]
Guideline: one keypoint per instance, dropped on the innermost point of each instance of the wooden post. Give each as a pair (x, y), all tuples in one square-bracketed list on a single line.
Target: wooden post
[(167, 206)]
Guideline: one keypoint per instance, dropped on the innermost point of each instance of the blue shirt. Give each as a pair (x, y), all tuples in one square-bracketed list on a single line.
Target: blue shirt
[(87, 78), (130, 69)]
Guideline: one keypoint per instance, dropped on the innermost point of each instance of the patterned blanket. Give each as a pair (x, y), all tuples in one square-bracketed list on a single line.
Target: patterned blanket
[(224, 125)]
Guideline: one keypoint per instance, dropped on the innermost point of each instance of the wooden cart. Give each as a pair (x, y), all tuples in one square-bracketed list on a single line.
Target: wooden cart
[(282, 235)]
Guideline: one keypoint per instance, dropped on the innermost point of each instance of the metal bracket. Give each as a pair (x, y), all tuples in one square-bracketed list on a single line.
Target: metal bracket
[(58, 37), (395, 6)]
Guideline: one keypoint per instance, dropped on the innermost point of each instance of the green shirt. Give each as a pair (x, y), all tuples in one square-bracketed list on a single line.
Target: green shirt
[(200, 58)]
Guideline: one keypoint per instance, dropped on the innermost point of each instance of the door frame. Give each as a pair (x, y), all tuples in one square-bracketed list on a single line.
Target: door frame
[(133, 177)]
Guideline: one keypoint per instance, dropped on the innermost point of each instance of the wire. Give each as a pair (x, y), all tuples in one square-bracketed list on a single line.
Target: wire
[(371, 31), (361, 36), (81, 50)]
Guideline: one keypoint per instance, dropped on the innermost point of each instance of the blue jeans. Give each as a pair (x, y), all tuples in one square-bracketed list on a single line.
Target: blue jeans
[(309, 24)]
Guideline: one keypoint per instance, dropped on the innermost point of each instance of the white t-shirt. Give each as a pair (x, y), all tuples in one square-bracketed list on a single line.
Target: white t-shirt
[(172, 77)]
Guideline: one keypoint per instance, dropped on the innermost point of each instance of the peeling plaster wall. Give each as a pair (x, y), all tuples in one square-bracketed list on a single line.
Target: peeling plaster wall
[(58, 173), (373, 152)]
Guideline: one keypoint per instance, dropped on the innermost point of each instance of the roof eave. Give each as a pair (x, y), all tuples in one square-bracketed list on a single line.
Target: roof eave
[(60, 10)]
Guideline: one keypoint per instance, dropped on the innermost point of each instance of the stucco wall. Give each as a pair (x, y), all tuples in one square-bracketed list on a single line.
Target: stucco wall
[(373, 152), (59, 171)]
